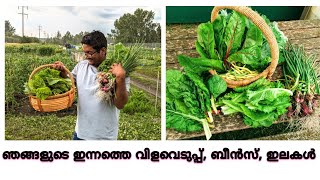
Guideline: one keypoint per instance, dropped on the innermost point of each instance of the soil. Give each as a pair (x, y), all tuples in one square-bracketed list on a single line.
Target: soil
[(146, 77), (145, 88)]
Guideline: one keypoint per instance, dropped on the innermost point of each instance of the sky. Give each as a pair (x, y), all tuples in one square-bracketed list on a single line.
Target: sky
[(68, 18)]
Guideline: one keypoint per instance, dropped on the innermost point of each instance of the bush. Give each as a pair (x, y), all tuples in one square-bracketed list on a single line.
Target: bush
[(46, 51), (12, 39), (26, 39), (138, 103)]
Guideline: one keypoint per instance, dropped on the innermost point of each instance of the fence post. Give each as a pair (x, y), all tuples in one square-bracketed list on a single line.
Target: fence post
[(155, 105)]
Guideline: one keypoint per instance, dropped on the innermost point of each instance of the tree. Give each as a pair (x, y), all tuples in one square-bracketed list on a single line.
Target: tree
[(78, 37), (136, 27), (67, 38), (58, 35), (9, 30), (158, 33)]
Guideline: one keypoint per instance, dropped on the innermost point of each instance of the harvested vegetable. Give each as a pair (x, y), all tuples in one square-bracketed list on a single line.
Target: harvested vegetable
[(260, 103), (233, 47), (185, 107), (216, 86), (47, 82), (302, 77), (237, 42), (127, 57)]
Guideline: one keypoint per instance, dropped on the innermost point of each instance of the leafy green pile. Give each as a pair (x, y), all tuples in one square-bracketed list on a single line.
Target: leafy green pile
[(47, 82), (261, 102), (232, 38), (194, 95), (185, 105), (190, 100)]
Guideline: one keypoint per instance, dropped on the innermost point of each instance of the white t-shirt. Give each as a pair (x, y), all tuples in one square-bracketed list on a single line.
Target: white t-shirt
[(96, 119)]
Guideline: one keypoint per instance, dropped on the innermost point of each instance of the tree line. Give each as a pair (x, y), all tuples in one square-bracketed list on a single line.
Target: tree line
[(129, 28)]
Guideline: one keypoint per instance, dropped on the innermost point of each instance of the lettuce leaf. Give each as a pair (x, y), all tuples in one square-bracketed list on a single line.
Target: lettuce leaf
[(47, 82), (261, 103)]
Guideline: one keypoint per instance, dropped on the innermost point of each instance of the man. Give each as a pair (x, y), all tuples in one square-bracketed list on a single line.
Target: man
[(96, 119)]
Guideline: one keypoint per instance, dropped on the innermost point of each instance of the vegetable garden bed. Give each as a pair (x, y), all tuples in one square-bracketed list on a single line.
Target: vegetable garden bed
[(181, 39)]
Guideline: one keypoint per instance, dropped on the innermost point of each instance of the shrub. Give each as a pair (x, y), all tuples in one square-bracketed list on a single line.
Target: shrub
[(46, 51)]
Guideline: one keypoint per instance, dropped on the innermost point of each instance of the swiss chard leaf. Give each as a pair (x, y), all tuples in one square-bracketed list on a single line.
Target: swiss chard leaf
[(219, 26), (206, 40), (199, 65), (185, 104), (216, 85), (234, 33), (250, 56), (254, 36)]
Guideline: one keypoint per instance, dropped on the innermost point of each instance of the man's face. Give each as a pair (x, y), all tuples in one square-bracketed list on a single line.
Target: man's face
[(94, 57)]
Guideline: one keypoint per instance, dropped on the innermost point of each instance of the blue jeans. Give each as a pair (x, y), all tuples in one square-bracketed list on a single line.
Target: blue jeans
[(75, 137)]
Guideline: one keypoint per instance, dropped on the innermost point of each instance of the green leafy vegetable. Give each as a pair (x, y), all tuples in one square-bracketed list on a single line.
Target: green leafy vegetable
[(234, 33), (237, 39), (260, 102), (216, 86), (199, 65), (206, 41), (185, 104), (47, 82)]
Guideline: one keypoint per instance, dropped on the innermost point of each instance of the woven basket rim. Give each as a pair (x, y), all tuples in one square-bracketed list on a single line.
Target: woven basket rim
[(268, 34)]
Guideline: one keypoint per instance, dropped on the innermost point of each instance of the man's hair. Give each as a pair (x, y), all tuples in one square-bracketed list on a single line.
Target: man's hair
[(96, 39)]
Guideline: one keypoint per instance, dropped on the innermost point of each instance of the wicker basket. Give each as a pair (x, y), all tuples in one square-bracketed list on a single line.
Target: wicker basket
[(267, 32), (56, 102)]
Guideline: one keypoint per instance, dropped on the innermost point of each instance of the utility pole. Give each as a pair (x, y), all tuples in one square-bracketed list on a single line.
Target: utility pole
[(39, 27), (23, 14)]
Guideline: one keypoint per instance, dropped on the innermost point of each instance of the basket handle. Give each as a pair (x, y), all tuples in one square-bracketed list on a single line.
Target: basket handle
[(50, 65), (261, 24)]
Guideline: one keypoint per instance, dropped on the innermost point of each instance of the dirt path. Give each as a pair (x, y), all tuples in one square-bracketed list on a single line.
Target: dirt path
[(145, 88), (147, 77)]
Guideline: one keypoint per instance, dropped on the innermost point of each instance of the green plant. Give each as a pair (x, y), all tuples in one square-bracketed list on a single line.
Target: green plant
[(47, 82), (127, 57), (261, 103), (46, 51)]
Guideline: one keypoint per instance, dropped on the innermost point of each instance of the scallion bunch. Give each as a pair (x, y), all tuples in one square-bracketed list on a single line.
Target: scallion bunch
[(128, 57), (302, 74)]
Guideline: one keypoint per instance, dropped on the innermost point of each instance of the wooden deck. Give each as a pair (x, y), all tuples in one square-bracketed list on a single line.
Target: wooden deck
[(180, 39)]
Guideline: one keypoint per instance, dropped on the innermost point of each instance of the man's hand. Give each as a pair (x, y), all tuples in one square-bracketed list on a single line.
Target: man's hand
[(121, 93), (118, 71), (58, 65)]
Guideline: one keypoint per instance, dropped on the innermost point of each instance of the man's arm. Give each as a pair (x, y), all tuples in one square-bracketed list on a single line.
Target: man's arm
[(121, 98)]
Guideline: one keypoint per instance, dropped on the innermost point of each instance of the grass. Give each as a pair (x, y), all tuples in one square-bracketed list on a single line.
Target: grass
[(139, 126), (47, 127), (150, 71), (138, 121), (144, 81)]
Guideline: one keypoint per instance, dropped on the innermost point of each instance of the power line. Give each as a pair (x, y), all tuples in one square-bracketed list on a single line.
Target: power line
[(23, 14)]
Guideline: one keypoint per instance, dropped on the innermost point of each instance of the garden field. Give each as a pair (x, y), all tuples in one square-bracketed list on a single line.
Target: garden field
[(139, 120)]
